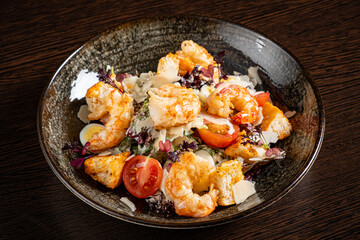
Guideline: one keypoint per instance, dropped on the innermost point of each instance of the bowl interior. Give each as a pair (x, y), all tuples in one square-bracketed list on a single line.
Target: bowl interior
[(139, 46)]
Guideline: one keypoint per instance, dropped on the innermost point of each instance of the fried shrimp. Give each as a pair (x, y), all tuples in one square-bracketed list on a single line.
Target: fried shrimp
[(114, 109), (172, 106), (229, 96), (196, 53), (167, 71), (192, 54), (184, 60), (186, 177), (170, 61)]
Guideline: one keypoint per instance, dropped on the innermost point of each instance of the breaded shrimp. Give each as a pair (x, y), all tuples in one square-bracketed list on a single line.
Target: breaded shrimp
[(114, 109), (187, 176), (228, 96), (172, 106)]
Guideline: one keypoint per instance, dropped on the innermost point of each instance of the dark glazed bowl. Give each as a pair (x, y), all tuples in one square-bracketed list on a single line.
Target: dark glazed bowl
[(139, 46)]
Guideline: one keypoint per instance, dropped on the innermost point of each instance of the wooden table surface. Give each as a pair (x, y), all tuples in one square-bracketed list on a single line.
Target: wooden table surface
[(37, 36)]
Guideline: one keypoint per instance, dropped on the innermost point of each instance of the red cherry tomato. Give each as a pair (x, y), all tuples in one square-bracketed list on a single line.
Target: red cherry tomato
[(218, 135), (262, 98), (142, 176)]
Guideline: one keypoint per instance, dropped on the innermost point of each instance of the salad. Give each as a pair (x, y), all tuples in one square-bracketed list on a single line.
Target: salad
[(185, 138)]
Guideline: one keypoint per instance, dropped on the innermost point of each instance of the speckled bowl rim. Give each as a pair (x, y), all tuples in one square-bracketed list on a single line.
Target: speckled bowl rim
[(188, 225)]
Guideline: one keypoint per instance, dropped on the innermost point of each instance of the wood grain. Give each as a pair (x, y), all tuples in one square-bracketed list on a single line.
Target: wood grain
[(37, 36)]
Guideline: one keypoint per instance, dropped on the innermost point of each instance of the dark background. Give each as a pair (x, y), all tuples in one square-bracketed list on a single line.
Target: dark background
[(37, 36)]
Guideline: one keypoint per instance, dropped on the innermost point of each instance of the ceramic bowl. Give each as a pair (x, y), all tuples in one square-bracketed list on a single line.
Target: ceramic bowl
[(138, 46)]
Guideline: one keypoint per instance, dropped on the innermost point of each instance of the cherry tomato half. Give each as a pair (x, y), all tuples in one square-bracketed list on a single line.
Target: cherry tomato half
[(142, 176), (218, 135), (262, 98)]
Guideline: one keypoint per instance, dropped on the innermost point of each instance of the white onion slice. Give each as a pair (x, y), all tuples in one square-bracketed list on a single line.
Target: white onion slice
[(83, 113)]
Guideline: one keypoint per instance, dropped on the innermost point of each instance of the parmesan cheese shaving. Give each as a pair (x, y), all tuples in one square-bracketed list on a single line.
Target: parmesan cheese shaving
[(147, 123), (175, 132), (254, 76), (204, 92), (105, 153), (129, 203), (270, 137), (169, 76), (218, 121), (162, 186), (242, 81), (242, 190), (260, 151), (206, 156), (83, 113), (289, 114)]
